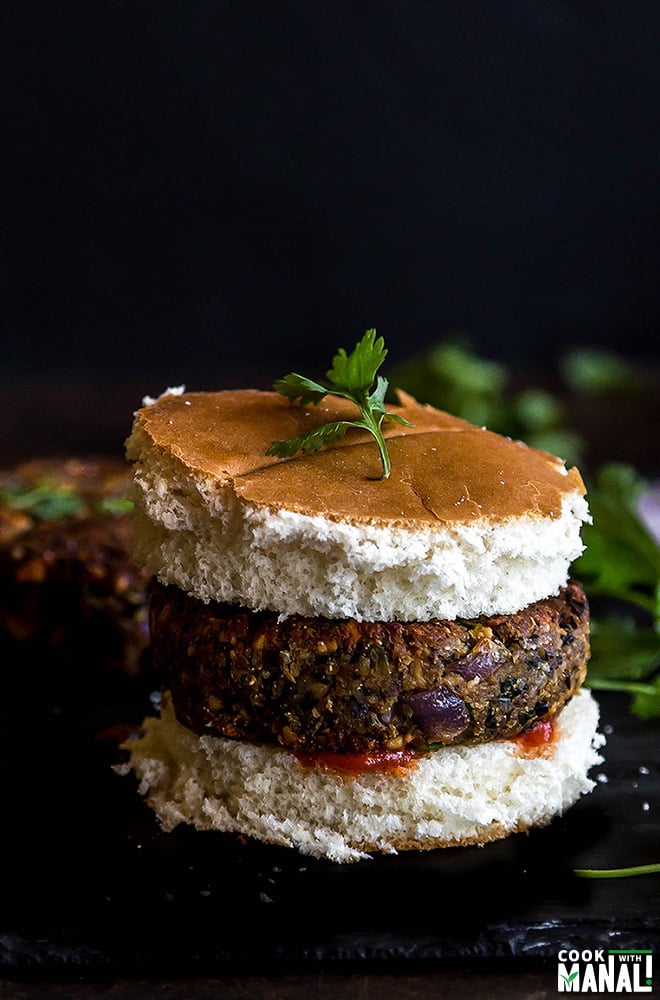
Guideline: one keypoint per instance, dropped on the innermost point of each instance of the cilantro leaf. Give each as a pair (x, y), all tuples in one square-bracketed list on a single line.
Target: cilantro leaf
[(44, 501), (625, 656), (49, 501), (593, 371), (115, 505), (354, 373), (621, 564), (623, 649), (312, 441), (354, 377), (297, 387), (622, 559)]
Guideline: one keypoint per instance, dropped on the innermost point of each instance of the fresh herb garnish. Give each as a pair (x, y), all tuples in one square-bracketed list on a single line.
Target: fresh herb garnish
[(351, 377), (622, 559), (116, 505), (44, 501), (592, 371), (653, 869), (621, 567), (625, 656)]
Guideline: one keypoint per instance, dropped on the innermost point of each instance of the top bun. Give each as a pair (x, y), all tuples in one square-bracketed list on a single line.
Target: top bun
[(468, 523)]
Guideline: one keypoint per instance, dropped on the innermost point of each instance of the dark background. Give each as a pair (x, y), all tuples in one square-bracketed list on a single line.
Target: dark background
[(217, 192)]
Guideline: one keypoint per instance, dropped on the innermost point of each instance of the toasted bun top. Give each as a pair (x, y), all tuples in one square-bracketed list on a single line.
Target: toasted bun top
[(443, 468), (468, 523)]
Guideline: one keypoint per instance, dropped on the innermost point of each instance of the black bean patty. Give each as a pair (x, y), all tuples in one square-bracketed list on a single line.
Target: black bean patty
[(70, 594), (346, 686)]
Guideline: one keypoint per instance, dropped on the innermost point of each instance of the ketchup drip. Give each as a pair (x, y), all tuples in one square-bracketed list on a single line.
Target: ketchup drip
[(538, 739), (372, 761), (535, 741)]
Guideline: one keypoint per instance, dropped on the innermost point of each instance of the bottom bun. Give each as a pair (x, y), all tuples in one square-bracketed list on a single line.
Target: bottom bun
[(453, 796)]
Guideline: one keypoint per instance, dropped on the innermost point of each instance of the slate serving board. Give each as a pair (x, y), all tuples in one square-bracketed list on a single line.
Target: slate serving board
[(91, 886)]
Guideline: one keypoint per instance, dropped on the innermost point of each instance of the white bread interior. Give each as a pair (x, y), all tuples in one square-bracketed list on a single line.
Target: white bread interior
[(454, 796), (469, 523)]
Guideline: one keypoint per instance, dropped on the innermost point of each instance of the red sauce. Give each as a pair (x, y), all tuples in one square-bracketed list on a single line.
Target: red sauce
[(373, 761), (537, 740)]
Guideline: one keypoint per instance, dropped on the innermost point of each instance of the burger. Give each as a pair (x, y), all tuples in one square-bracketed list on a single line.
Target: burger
[(69, 591), (361, 649)]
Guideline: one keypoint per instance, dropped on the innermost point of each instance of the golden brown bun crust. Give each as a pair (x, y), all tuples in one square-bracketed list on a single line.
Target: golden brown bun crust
[(443, 468)]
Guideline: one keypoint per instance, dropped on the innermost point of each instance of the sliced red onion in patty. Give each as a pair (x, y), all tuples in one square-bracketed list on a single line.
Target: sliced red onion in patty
[(440, 714), (481, 661)]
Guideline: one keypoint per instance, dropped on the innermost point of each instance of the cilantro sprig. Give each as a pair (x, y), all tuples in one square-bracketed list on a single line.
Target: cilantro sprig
[(621, 567), (47, 501), (354, 377), (622, 559)]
